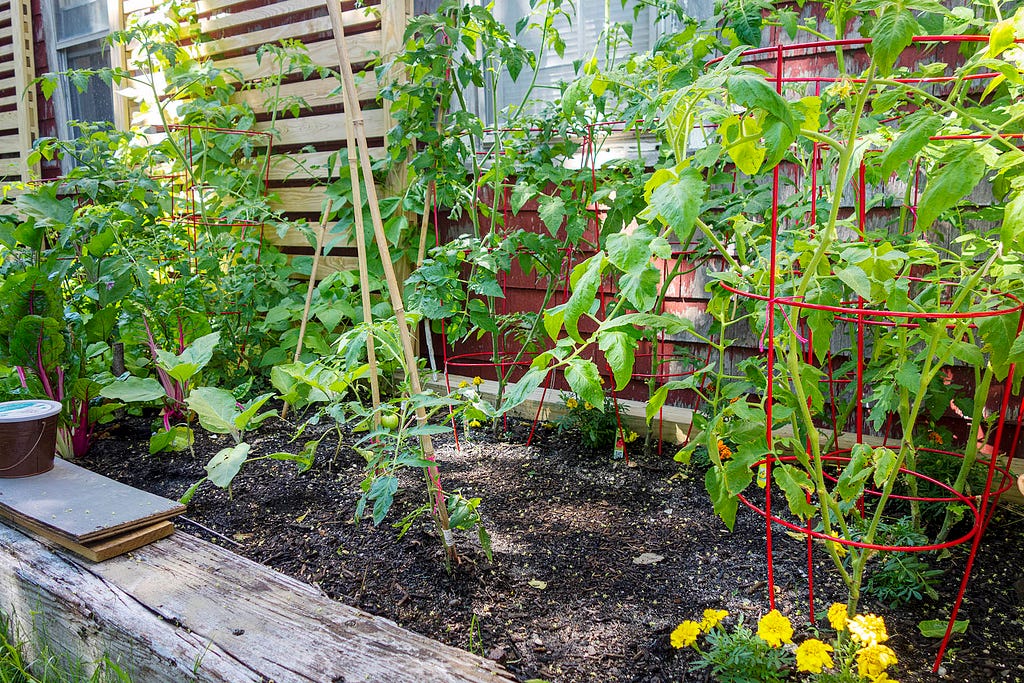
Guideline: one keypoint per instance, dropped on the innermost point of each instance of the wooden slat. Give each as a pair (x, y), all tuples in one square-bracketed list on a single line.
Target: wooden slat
[(295, 238), (323, 128), (274, 34), (316, 92), (251, 16), (322, 53), (297, 166), (304, 199), (6, 50), (310, 165), (5, 15), (10, 144), (335, 264), (9, 119), (9, 82)]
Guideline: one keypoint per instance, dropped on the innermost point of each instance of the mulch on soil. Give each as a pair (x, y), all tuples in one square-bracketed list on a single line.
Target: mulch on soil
[(570, 595)]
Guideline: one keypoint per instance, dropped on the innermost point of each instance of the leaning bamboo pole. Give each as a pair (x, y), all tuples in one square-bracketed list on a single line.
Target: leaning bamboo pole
[(364, 271), (320, 232), (356, 129)]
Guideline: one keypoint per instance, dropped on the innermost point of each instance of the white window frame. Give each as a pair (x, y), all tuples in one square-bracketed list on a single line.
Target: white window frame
[(56, 53)]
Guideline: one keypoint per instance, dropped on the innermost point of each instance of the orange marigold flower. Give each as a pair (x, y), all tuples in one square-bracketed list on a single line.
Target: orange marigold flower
[(724, 452)]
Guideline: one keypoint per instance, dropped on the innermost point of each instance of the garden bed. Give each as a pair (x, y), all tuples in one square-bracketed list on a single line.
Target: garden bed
[(568, 596)]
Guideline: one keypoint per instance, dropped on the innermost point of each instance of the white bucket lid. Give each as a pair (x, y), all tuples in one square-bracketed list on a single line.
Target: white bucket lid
[(26, 411)]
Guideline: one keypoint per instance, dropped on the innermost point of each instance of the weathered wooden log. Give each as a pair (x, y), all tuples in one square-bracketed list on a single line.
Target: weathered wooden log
[(182, 609)]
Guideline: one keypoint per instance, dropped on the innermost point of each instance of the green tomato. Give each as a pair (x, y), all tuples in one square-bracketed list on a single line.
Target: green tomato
[(389, 421)]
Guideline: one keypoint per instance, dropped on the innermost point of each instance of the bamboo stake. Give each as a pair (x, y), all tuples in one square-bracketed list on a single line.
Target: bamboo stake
[(355, 123), (364, 271), (309, 288)]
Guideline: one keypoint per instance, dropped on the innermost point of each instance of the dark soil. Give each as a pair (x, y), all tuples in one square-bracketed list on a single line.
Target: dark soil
[(576, 522)]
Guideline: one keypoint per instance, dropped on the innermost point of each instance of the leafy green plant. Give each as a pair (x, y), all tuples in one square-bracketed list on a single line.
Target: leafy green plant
[(175, 372), (598, 425), (220, 412), (855, 653)]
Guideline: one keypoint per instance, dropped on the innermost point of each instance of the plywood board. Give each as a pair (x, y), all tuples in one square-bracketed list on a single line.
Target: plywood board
[(98, 551), (80, 505)]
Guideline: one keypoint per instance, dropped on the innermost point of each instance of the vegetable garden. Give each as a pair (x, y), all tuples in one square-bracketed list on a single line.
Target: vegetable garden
[(792, 233)]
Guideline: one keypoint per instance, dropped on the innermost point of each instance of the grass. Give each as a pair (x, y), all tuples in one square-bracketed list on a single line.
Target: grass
[(49, 666)]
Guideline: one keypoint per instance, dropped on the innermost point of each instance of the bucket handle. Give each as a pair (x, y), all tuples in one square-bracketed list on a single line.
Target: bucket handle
[(42, 430)]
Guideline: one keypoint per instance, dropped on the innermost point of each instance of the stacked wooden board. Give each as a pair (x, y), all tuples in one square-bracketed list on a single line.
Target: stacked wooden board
[(87, 513)]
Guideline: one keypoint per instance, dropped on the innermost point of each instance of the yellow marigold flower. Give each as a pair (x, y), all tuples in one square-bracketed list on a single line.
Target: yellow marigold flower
[(477, 381), (463, 384), (631, 436), (867, 629), (935, 437), (587, 405), (724, 452), (812, 656), (837, 616), (839, 548), (474, 423), (775, 629), (873, 660), (884, 678), (601, 379), (571, 403), (685, 634), (712, 618)]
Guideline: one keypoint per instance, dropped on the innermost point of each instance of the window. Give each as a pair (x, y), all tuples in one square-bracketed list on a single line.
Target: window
[(581, 41), (76, 40)]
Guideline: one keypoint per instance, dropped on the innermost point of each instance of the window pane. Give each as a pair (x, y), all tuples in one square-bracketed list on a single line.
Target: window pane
[(581, 43), (77, 18), (96, 102)]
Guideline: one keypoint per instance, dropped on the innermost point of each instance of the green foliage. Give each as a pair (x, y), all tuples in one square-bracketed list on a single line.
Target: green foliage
[(597, 423), (740, 657)]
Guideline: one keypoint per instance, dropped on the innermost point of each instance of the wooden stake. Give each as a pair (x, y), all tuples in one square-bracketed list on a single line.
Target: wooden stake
[(364, 271), (310, 287), (355, 123), (321, 230)]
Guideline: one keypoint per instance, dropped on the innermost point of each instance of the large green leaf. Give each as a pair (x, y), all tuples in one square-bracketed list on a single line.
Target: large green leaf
[(585, 379), (745, 18), (675, 197), (1012, 231), (954, 177), (752, 90), (523, 388), (796, 484), (194, 358), (641, 287), (630, 252), (223, 466), (134, 389), (552, 212), (914, 135), (216, 409), (725, 504), (585, 280), (619, 349), (851, 482), (891, 32), (248, 419)]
